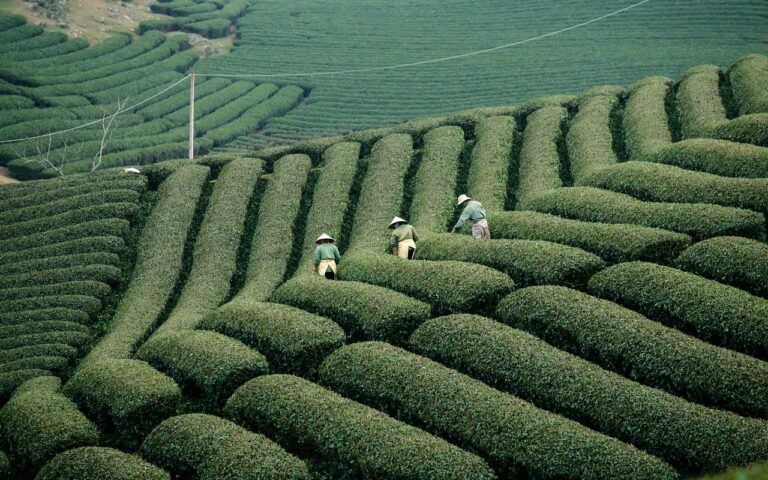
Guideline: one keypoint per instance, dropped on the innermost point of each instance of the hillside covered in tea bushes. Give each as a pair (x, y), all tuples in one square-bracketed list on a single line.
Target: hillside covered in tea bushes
[(169, 324)]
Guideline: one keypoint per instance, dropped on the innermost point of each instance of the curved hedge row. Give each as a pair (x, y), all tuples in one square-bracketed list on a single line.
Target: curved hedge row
[(273, 238), (52, 363), (35, 208), (700, 221), (490, 159), (539, 157), (215, 252), (664, 183), (294, 341), (39, 422), (690, 437), (589, 139), (84, 303), (88, 288), (211, 448), (58, 350), (127, 395), (128, 211), (158, 264), (69, 337), (178, 101), (527, 262), (208, 362), (645, 117), (34, 192), (719, 157), (735, 261), (623, 341), (714, 312), (64, 47), (381, 192), (229, 112), (96, 463), (97, 244), (355, 438), (746, 129), (48, 314), (699, 106), (363, 311), (95, 228), (614, 243), (449, 286), (63, 261), (10, 380), (433, 202), (516, 437), (100, 273), (748, 77)]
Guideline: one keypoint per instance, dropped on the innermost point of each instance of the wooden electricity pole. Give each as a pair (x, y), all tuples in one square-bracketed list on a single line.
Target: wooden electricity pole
[(192, 117)]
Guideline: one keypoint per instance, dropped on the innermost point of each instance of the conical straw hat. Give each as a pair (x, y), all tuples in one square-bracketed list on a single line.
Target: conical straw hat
[(324, 237), (396, 220), (462, 198)]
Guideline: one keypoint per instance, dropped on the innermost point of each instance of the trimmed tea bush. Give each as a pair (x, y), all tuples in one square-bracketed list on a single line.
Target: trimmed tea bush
[(48, 314), (127, 395), (714, 312), (718, 157), (84, 303), (85, 287), (690, 437), (158, 264), (382, 192), (700, 221), (273, 238), (215, 254), (39, 210), (645, 117), (10, 380), (699, 106), (754, 472), (628, 343), (491, 155), (112, 227), (69, 337), (204, 361), (100, 273), (449, 286), (735, 261), (128, 211), (56, 350), (353, 437), (51, 363), (294, 341), (589, 138), (39, 422), (539, 158), (211, 448), (516, 437), (363, 311), (664, 183), (63, 261), (613, 242), (97, 463), (748, 76), (745, 129), (528, 262)]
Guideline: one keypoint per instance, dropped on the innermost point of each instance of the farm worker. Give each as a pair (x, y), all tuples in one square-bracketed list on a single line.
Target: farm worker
[(326, 256), (473, 210), (403, 239)]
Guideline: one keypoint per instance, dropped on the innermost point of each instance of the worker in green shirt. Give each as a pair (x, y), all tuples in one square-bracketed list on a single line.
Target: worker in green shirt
[(473, 210), (403, 239), (326, 256)]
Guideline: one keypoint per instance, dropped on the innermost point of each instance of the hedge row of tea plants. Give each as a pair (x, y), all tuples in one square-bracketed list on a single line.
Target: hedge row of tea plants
[(527, 442), (96, 463), (630, 344), (294, 341), (690, 437), (718, 157), (539, 157), (645, 117), (209, 19), (490, 161), (717, 313), (590, 139), (699, 106), (748, 76), (352, 437)]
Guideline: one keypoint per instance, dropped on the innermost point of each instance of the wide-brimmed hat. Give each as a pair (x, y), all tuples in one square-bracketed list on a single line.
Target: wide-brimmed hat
[(131, 170), (395, 221), (324, 237), (462, 198)]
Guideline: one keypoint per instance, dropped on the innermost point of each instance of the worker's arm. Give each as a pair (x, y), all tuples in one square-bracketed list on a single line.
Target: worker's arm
[(317, 257), (415, 236), (393, 240), (463, 218), (336, 254)]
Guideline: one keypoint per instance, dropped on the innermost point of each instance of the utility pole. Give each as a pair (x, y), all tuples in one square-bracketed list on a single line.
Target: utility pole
[(192, 117)]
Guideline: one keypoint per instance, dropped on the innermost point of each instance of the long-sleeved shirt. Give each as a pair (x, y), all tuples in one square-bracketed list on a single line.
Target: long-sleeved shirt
[(326, 251), (403, 232), (473, 211)]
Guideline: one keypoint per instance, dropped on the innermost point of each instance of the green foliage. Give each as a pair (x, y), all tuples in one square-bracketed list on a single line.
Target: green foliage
[(84, 303), (206, 362), (125, 210), (645, 117), (449, 286), (690, 437), (363, 311), (294, 341), (735, 261), (539, 157), (748, 76), (229, 112), (95, 228), (613, 242), (96, 463), (699, 106), (81, 246), (100, 273), (51, 363), (746, 129), (10, 380), (89, 288), (527, 442), (212, 28), (39, 422), (9, 21), (700, 221), (48, 314), (434, 197), (11, 102), (57, 49), (714, 312), (70, 337), (57, 200), (215, 253), (158, 264), (59, 350), (63, 261), (718, 157), (527, 262), (589, 138), (127, 395), (353, 437), (754, 472), (487, 179), (211, 448), (19, 33)]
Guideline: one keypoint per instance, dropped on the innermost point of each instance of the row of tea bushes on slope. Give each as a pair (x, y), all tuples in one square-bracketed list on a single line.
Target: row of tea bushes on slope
[(690, 437), (630, 344), (748, 77), (490, 159), (209, 19), (590, 139), (95, 463), (539, 157), (718, 157), (645, 119), (527, 442)]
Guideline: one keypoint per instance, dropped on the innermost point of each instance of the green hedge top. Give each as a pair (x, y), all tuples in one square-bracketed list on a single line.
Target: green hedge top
[(353, 437), (590, 139), (489, 162), (719, 157), (645, 117), (748, 76), (211, 448), (539, 157), (518, 439), (109, 244), (98, 463)]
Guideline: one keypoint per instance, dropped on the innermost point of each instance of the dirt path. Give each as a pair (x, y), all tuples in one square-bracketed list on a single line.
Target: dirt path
[(5, 177)]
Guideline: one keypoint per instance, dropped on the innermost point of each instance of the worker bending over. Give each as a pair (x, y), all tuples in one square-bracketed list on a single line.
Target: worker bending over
[(403, 239), (473, 210), (326, 256)]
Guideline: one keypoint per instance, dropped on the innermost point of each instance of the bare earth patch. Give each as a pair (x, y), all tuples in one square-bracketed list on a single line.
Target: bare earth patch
[(5, 177)]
